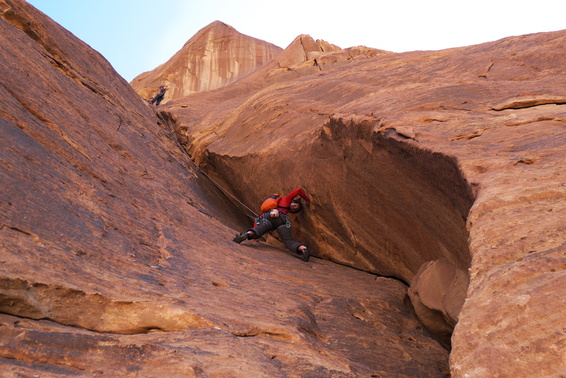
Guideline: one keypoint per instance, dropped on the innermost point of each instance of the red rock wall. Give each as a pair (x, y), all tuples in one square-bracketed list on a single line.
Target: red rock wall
[(108, 229), (417, 157), (116, 255), (215, 57)]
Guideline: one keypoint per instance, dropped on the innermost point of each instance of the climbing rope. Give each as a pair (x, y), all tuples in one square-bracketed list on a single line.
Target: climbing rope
[(223, 190)]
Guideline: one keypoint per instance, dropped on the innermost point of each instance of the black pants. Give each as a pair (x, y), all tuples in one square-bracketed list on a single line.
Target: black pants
[(157, 98), (265, 223)]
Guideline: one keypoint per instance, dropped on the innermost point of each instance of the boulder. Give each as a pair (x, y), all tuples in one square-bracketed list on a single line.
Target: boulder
[(437, 292)]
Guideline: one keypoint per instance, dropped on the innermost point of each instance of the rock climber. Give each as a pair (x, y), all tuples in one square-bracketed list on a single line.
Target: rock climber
[(276, 219), (159, 96)]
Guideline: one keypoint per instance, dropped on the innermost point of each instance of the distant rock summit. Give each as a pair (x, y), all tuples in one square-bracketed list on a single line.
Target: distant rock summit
[(218, 56), (215, 57)]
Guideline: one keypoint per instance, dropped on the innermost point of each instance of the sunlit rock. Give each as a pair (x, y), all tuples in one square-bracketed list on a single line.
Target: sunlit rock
[(116, 255), (453, 156), (215, 57)]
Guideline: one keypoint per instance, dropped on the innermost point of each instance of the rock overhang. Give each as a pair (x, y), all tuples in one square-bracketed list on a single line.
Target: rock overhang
[(513, 262), (477, 118)]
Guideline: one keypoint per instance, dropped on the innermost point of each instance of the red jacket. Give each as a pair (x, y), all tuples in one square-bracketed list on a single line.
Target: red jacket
[(285, 202)]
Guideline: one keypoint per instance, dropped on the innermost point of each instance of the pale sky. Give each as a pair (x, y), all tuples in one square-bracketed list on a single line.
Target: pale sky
[(138, 35)]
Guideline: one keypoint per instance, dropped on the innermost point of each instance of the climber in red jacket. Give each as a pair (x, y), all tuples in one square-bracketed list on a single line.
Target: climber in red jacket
[(290, 203), (276, 219)]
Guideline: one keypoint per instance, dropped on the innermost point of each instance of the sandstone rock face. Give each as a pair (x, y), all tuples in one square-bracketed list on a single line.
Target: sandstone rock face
[(215, 57), (305, 52), (303, 49), (448, 163), (305, 56), (116, 255), (436, 168)]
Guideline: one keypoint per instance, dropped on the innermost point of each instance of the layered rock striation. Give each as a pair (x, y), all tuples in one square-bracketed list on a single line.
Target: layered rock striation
[(444, 169), (215, 57), (116, 255), (438, 175)]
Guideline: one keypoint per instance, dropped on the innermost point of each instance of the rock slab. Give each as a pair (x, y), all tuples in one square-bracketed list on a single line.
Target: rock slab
[(453, 155), (116, 255)]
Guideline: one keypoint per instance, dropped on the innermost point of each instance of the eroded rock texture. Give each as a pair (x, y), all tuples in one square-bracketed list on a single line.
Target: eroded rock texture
[(116, 255), (215, 57), (448, 163), (441, 169)]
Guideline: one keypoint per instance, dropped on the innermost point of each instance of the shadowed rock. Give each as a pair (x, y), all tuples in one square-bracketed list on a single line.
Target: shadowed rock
[(116, 254), (453, 156), (424, 166)]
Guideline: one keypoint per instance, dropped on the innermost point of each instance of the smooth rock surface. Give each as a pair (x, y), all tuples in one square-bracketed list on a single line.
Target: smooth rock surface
[(453, 155), (116, 255), (215, 57), (437, 292)]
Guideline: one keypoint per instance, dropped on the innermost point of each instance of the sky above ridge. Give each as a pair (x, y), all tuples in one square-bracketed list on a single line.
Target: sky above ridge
[(136, 36)]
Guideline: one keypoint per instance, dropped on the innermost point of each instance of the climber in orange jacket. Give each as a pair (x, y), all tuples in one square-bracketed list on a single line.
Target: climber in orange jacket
[(276, 219)]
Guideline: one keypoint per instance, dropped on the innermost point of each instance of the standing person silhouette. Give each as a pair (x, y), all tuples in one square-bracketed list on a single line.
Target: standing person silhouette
[(159, 96)]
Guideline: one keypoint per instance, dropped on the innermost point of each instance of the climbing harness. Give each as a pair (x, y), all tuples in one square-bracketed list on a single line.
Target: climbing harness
[(205, 174)]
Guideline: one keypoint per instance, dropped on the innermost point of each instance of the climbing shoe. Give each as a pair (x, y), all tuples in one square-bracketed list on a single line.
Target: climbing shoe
[(305, 255), (240, 238)]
